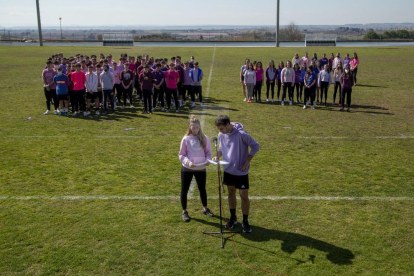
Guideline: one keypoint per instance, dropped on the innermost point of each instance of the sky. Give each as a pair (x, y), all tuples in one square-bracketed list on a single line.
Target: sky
[(15, 13)]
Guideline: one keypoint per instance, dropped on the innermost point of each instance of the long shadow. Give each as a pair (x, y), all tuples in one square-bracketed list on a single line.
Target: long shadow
[(371, 86), (291, 241)]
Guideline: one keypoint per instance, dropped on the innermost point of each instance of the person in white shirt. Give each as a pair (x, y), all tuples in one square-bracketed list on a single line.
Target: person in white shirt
[(324, 81), (91, 86)]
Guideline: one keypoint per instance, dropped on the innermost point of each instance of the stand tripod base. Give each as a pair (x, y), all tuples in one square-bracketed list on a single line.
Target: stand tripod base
[(221, 233)]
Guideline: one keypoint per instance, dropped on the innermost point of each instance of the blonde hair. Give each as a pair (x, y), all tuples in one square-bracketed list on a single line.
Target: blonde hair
[(200, 135)]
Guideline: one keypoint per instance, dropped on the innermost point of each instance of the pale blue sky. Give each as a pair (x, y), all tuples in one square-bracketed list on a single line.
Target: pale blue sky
[(203, 12)]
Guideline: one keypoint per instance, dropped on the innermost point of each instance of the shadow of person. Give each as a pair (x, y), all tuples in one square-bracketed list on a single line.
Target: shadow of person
[(291, 241)]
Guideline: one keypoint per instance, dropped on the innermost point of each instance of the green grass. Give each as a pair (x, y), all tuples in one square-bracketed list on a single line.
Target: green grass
[(56, 156)]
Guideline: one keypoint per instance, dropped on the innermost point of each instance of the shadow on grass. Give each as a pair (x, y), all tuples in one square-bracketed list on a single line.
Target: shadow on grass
[(371, 86), (290, 242)]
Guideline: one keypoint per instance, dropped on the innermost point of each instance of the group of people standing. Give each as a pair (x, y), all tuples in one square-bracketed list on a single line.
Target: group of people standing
[(83, 83), (310, 77)]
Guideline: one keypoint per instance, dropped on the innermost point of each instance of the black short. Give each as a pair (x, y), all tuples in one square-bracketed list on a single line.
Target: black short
[(62, 97), (238, 181), (92, 96)]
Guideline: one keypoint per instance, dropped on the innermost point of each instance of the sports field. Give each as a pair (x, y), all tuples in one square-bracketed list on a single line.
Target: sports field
[(332, 192)]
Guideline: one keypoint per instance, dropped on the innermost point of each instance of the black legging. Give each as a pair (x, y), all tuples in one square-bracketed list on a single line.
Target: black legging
[(279, 86), (186, 177), (257, 91), (297, 91), (310, 93), (301, 86), (272, 86), (288, 86), (147, 99), (118, 87), (347, 92), (338, 85), (127, 94), (79, 101), (354, 74), (158, 96), (171, 92), (324, 89), (51, 95)]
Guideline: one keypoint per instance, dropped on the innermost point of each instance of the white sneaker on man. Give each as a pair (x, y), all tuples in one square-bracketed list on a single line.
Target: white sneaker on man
[(162, 108), (290, 103), (123, 107), (283, 103), (131, 106), (304, 107), (267, 100), (75, 113), (114, 105), (313, 107), (245, 99), (47, 112), (85, 113), (97, 112), (56, 112), (152, 109), (192, 104)]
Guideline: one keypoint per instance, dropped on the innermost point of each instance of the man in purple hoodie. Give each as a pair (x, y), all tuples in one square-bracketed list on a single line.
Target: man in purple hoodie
[(234, 145)]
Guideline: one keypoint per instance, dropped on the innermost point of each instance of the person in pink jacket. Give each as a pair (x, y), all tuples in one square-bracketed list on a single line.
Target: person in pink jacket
[(288, 82), (194, 152)]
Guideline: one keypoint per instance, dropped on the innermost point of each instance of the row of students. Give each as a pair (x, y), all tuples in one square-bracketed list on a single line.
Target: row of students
[(156, 81), (292, 77)]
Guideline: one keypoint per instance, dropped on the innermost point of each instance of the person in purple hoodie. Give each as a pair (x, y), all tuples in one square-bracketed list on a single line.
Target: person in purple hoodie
[(234, 143), (347, 82)]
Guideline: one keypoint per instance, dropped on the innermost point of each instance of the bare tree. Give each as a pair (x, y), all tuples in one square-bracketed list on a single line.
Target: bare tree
[(291, 33)]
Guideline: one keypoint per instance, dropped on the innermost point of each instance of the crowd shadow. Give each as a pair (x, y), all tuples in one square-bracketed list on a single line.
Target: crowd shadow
[(370, 86), (290, 242)]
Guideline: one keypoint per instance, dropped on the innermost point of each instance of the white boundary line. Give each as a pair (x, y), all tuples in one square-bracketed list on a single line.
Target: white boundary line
[(254, 198), (203, 117), (402, 136)]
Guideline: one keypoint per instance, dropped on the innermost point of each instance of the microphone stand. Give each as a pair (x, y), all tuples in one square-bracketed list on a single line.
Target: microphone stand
[(220, 188)]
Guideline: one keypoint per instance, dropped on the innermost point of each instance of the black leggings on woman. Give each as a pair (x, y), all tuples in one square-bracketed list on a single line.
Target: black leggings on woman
[(186, 177), (354, 74), (347, 92), (270, 86), (310, 94), (297, 91), (324, 89), (338, 85), (279, 86), (288, 86), (301, 86), (257, 91)]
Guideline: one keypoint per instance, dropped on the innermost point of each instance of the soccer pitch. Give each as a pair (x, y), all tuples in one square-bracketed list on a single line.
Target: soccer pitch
[(332, 192)]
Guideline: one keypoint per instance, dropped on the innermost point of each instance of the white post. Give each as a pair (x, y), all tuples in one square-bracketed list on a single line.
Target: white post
[(277, 22), (39, 26)]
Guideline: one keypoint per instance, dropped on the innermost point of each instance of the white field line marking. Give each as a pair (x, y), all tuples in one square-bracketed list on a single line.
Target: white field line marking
[(341, 137), (255, 198), (203, 117)]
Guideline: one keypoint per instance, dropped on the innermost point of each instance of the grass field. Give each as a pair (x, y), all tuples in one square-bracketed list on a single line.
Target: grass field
[(366, 155)]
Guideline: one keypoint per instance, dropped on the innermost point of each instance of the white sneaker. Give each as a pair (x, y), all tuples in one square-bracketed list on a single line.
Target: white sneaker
[(56, 112), (290, 103), (123, 107), (267, 100), (131, 106), (47, 112), (114, 105), (173, 104), (283, 103), (176, 111), (97, 113), (244, 99), (201, 104), (75, 114), (304, 107), (313, 107), (136, 96), (162, 108), (85, 113), (307, 102), (193, 104), (152, 109)]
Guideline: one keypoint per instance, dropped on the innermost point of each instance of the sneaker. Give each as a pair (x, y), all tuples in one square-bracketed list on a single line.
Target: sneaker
[(113, 111), (177, 110), (47, 112), (123, 107), (342, 109), (131, 106), (152, 109), (201, 104), (283, 103), (184, 103), (162, 108), (61, 113), (85, 113), (273, 100), (67, 114), (230, 224), (245, 99), (144, 112), (246, 227), (290, 103), (56, 112), (313, 107), (185, 216), (193, 104), (168, 110), (304, 107), (97, 113), (333, 103), (348, 110), (114, 105), (136, 97), (75, 114), (267, 100), (104, 113), (207, 212)]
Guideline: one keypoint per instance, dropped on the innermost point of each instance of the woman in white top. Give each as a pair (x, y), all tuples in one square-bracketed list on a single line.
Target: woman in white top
[(337, 82), (324, 81), (242, 71), (250, 81)]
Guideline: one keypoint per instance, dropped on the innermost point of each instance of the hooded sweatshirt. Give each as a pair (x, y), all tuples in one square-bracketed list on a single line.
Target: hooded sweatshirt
[(191, 151), (234, 147)]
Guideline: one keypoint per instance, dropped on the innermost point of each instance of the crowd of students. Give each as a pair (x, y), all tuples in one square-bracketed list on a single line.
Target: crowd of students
[(84, 83), (310, 77)]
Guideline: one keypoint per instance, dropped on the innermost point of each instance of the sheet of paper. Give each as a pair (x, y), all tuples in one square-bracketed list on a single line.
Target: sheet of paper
[(223, 162), (201, 164)]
